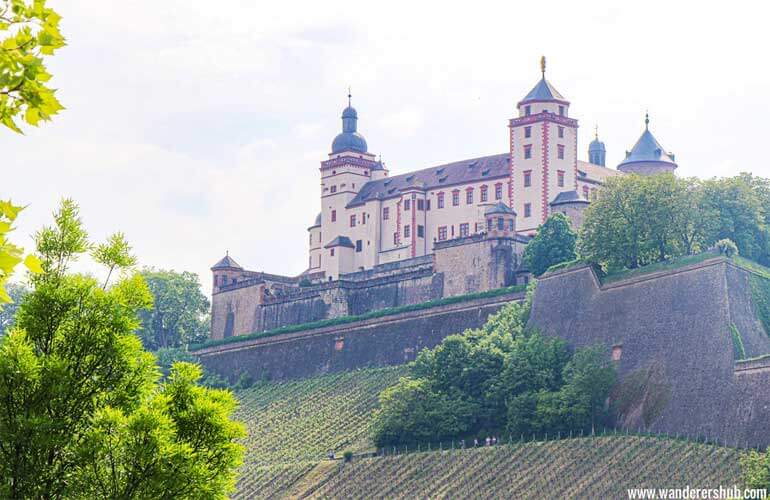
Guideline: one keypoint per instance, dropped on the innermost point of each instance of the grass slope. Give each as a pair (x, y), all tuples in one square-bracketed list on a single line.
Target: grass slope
[(293, 424)]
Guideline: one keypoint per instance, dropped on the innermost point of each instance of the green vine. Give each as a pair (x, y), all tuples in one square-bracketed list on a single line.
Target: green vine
[(738, 350)]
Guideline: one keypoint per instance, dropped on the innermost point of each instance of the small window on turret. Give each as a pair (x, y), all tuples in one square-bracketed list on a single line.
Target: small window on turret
[(561, 110), (527, 110)]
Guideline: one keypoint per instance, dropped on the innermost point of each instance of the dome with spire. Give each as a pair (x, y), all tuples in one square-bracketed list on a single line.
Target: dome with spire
[(647, 155), (596, 151), (349, 139)]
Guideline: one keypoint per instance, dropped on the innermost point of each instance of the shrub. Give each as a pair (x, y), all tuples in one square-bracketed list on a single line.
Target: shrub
[(244, 381), (727, 247), (347, 456)]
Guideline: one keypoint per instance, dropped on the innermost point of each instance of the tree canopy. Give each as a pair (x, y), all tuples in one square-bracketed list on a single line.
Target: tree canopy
[(180, 313), (87, 416), (502, 377), (30, 32), (638, 220), (553, 244)]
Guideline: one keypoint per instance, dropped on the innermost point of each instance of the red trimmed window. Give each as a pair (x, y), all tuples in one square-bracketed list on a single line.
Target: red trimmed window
[(407, 231), (561, 132), (527, 151), (560, 151), (560, 178), (527, 178), (469, 196), (386, 213), (499, 191), (484, 194), (456, 197), (421, 205), (440, 200), (334, 216), (528, 210), (353, 220), (395, 238), (464, 229), (407, 205), (442, 233)]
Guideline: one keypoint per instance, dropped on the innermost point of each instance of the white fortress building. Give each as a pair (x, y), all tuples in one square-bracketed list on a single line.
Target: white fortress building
[(368, 218), (453, 229)]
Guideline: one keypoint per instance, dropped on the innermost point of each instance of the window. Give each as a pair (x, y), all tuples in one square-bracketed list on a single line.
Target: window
[(440, 200), (442, 233), (363, 218), (407, 231), (560, 178), (359, 246), (489, 224), (527, 132), (386, 213), (452, 230), (456, 197), (527, 110), (560, 151), (334, 189), (464, 229), (500, 224), (334, 216), (421, 205), (498, 191), (407, 205), (420, 231), (332, 252), (585, 192), (510, 225), (353, 220), (561, 132), (478, 227), (528, 210), (527, 178), (395, 238), (561, 110), (427, 205), (311, 238), (528, 151), (484, 194), (469, 196)]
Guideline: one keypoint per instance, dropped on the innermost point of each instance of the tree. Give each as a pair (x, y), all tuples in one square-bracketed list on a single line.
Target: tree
[(86, 415), (553, 244), (179, 316), (31, 33), (16, 292)]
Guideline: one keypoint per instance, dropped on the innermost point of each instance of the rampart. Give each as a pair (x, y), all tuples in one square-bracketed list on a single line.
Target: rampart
[(675, 336), (388, 340)]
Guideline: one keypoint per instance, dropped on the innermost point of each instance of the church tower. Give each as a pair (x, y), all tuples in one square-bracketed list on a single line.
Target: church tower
[(543, 146), (597, 153), (647, 157)]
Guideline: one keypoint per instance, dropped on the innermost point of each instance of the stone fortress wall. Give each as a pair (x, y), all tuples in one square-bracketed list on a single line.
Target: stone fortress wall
[(669, 333)]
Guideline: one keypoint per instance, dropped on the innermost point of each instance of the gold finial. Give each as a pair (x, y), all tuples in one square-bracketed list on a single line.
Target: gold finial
[(542, 65)]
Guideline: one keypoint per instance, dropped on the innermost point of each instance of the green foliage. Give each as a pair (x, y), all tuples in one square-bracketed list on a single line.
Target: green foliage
[(114, 254), (10, 254), (16, 292), (370, 315), (726, 247), (553, 244), (667, 265), (738, 351), (244, 381), (86, 414), (347, 456), (180, 313), (644, 392), (30, 31), (502, 376), (167, 357), (755, 468)]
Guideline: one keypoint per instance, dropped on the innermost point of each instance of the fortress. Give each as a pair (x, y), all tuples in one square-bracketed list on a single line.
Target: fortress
[(458, 228)]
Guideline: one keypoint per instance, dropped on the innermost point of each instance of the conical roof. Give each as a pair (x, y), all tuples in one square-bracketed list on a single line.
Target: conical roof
[(543, 91), (646, 149), (226, 263)]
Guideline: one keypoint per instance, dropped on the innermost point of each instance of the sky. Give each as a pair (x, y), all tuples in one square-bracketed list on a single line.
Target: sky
[(198, 128)]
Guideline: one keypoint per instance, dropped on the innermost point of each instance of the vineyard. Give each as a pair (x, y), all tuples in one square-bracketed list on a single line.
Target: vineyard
[(292, 425)]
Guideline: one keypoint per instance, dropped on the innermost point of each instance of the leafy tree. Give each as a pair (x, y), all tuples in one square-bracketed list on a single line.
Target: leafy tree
[(11, 255), (180, 313), (553, 244), (755, 467), (86, 415), (16, 292), (31, 32)]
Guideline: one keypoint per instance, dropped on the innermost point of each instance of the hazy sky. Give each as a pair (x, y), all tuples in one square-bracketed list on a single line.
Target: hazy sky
[(198, 127)]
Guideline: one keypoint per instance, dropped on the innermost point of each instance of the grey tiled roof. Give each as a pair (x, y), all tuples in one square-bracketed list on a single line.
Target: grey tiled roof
[(449, 174), (340, 241), (647, 148), (498, 208), (543, 91), (568, 197), (226, 262)]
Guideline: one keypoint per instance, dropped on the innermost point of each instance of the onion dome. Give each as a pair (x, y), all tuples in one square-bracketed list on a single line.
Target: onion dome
[(596, 151), (349, 139)]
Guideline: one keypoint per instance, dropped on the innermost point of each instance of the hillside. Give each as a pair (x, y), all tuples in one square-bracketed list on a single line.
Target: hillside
[(292, 425)]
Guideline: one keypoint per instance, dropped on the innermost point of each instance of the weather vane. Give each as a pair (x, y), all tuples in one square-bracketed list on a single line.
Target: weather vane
[(542, 65), (349, 95), (647, 120)]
